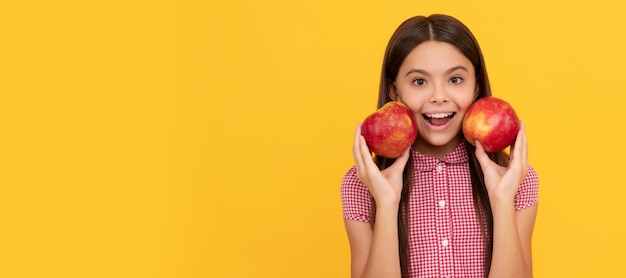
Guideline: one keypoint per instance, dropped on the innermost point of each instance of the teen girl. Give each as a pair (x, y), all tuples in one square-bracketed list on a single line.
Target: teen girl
[(444, 208)]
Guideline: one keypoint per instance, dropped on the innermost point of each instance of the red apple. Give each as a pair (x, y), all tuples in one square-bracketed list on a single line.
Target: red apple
[(491, 121), (390, 130)]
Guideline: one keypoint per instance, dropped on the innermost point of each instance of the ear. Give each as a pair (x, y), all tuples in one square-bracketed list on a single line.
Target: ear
[(392, 92)]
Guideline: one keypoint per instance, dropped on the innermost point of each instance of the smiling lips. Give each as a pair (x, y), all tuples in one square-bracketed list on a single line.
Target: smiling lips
[(438, 119)]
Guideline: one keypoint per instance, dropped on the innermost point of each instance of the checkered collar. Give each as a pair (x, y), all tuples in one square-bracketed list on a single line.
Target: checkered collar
[(428, 163)]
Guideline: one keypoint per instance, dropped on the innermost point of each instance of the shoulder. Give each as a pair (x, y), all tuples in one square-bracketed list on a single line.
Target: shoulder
[(351, 184), (355, 197), (532, 178), (350, 176), (528, 192)]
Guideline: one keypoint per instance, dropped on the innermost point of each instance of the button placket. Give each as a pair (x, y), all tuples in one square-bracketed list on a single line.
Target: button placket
[(443, 219)]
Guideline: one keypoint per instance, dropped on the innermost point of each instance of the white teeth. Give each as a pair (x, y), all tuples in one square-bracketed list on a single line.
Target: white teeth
[(439, 115)]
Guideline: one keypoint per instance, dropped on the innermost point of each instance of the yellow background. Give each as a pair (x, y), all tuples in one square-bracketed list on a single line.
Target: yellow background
[(208, 139)]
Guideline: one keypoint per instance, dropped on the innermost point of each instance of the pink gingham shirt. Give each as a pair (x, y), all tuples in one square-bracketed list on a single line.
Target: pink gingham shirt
[(444, 233)]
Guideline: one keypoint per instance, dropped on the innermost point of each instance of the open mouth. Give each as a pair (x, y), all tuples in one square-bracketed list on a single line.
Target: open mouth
[(438, 119)]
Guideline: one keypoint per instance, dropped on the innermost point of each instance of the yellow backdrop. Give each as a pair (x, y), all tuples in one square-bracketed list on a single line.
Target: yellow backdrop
[(208, 139)]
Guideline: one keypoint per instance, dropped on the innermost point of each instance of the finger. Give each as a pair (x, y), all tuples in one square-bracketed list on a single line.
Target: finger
[(519, 158), (366, 155), (517, 145), (512, 148), (356, 152), (401, 160), (369, 169), (524, 146), (481, 156), (361, 150), (524, 141)]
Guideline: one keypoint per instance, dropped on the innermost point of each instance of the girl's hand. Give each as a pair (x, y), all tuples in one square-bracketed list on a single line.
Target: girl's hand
[(386, 185), (502, 183)]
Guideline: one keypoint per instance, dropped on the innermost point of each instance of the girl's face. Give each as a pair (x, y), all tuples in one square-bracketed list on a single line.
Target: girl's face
[(438, 84)]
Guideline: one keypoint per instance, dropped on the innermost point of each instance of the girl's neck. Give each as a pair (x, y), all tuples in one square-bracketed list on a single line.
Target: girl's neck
[(437, 151)]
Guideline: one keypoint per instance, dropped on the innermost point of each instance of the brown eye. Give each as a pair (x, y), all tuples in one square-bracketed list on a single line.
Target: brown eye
[(456, 80), (419, 82)]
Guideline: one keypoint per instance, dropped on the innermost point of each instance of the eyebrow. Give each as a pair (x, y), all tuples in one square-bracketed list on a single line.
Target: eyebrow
[(452, 69)]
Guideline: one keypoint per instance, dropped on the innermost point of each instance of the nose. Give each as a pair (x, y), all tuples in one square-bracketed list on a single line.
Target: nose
[(438, 95)]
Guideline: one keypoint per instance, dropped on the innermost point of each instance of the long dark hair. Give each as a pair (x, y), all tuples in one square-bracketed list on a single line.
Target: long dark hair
[(407, 36)]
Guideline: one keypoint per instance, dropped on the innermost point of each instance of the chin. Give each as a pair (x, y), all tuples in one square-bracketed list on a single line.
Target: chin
[(438, 142)]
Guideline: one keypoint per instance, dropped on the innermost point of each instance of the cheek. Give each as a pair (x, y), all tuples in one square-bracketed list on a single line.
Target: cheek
[(465, 102), (465, 97), (415, 103), (413, 99)]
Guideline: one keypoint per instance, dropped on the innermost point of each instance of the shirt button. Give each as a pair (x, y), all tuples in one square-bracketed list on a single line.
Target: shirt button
[(444, 242), (439, 168), (442, 203)]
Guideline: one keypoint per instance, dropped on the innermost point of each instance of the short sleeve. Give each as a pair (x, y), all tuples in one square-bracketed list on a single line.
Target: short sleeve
[(528, 192), (356, 199)]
